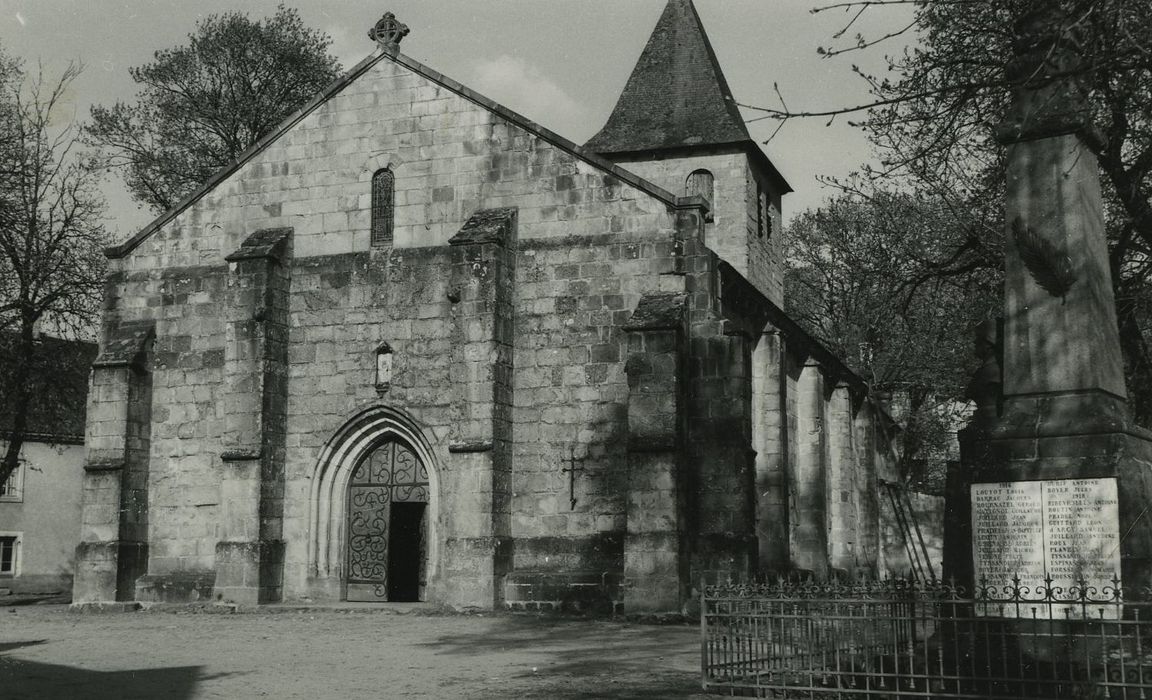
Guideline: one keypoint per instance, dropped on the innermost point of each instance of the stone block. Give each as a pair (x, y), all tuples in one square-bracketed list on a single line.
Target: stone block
[(567, 591), (104, 607), (248, 572), (187, 586), (106, 571), (654, 571), (600, 551), (474, 569), (96, 572)]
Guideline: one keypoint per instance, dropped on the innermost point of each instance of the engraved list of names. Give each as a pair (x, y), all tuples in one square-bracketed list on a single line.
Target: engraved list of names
[(1068, 529)]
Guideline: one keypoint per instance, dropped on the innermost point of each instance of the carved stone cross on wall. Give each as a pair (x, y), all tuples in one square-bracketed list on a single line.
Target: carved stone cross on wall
[(388, 32), (571, 470)]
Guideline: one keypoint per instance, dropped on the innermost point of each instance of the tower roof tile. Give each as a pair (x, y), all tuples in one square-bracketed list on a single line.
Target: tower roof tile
[(677, 96)]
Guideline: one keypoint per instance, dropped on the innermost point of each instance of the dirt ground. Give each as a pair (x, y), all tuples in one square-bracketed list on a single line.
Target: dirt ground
[(46, 651)]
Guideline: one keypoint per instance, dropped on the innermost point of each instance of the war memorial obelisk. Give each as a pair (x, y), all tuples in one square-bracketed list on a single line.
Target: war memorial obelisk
[(1059, 478)]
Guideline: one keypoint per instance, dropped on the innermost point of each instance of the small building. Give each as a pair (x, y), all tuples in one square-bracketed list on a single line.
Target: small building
[(40, 502), (415, 346)]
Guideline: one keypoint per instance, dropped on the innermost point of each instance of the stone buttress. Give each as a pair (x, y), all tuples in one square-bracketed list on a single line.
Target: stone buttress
[(250, 550), (481, 283), (113, 549), (655, 556)]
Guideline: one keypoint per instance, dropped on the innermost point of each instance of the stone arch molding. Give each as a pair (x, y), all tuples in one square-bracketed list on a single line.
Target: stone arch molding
[(338, 458), (379, 162)]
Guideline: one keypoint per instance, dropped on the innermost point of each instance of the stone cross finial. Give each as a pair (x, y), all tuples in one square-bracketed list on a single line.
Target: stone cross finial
[(388, 32)]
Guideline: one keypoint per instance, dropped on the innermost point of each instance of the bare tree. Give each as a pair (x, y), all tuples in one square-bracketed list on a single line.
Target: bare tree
[(51, 241)]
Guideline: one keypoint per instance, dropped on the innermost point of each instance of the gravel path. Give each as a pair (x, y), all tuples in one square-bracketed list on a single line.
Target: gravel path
[(50, 652)]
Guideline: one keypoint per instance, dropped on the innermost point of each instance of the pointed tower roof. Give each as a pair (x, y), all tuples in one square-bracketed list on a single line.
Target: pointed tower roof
[(677, 96)]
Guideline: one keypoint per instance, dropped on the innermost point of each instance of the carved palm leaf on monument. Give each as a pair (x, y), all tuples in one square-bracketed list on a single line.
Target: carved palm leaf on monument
[(390, 473)]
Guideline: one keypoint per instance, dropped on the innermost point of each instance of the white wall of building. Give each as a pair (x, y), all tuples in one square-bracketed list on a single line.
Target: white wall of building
[(44, 515)]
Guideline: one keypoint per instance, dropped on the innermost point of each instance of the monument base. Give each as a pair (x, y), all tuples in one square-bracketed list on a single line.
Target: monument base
[(1066, 414), (1069, 436)]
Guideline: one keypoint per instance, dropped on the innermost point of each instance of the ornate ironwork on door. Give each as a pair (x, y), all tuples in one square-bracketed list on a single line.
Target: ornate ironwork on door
[(391, 473)]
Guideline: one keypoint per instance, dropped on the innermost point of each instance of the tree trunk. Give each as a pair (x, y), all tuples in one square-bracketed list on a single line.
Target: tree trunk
[(1139, 365), (912, 442), (21, 398)]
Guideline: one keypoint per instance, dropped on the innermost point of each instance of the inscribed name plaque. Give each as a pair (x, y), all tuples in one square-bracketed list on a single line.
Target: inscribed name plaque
[(1068, 529)]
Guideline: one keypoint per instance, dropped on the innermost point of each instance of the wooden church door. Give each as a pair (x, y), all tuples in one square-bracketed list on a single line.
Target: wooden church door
[(387, 526)]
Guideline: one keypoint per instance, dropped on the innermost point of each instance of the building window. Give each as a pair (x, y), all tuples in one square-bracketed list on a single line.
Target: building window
[(12, 490), (383, 368), (9, 553), (700, 183), (766, 214), (383, 206)]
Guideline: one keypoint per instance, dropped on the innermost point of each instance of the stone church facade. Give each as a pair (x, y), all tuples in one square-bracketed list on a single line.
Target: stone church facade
[(413, 346)]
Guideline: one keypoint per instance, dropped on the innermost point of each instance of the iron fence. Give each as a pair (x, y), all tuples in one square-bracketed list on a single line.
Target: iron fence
[(904, 639)]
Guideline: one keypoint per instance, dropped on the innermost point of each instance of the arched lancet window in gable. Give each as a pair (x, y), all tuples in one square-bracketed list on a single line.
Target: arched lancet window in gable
[(701, 183), (383, 206)]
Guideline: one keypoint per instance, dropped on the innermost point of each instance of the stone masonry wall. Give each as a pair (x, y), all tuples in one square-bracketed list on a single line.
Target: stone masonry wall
[(770, 440), (721, 469), (187, 420), (928, 511), (842, 475), (871, 449), (250, 546), (733, 232), (765, 252), (571, 393), (343, 307), (115, 504), (793, 366), (837, 451), (451, 157), (590, 245)]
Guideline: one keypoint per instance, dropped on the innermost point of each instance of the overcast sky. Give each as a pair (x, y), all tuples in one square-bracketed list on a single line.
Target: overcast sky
[(562, 63)]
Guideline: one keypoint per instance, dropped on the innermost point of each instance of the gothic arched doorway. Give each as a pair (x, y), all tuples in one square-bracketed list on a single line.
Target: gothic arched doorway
[(387, 525)]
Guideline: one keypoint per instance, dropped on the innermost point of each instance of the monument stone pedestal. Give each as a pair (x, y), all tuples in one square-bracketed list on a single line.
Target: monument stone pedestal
[(1054, 452)]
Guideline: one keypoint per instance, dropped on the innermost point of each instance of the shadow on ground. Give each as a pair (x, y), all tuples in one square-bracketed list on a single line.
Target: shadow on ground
[(9, 646), (593, 640), (590, 660), (21, 679)]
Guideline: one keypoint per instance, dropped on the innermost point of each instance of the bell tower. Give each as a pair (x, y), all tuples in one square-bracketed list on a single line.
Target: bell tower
[(678, 125)]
